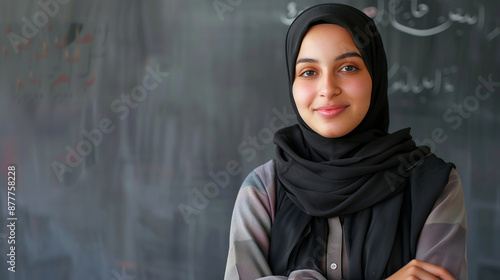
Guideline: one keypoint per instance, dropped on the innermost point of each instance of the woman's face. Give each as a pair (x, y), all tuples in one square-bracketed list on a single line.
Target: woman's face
[(332, 86)]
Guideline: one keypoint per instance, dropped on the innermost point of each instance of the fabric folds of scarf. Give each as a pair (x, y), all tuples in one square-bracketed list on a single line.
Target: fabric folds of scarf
[(349, 184), (383, 197)]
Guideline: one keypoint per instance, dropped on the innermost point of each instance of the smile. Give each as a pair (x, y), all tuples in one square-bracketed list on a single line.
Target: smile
[(331, 110)]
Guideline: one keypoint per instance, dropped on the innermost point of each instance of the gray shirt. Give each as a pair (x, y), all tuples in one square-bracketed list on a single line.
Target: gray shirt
[(441, 242)]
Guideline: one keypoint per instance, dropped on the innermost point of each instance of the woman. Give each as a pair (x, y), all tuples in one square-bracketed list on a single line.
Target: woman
[(344, 199)]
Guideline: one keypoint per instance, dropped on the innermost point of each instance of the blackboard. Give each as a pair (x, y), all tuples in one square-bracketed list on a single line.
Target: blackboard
[(131, 125)]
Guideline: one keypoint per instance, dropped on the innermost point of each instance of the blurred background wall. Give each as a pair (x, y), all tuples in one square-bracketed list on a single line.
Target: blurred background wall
[(132, 124)]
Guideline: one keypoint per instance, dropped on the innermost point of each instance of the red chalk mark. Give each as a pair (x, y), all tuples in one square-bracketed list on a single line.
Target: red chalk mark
[(41, 55), (45, 52), (9, 148), (86, 39), (128, 265), (8, 30), (5, 50), (19, 82), (61, 79), (63, 42), (91, 81), (22, 47), (73, 59)]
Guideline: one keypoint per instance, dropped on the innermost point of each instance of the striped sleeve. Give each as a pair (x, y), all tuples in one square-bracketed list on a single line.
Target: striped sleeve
[(253, 215), (442, 240)]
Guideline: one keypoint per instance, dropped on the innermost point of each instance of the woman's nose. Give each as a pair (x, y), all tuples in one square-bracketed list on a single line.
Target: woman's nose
[(329, 86)]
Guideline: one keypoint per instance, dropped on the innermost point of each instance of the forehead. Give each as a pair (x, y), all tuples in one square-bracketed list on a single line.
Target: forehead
[(329, 37)]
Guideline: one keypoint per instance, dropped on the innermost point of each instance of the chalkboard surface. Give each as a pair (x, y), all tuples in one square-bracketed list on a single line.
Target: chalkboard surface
[(129, 126)]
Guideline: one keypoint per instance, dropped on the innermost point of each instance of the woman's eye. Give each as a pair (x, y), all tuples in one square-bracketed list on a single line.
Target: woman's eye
[(349, 68), (307, 73)]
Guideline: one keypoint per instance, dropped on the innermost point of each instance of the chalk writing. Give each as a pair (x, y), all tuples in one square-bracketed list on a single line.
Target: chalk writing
[(75, 50), (410, 82), (420, 10), (291, 14)]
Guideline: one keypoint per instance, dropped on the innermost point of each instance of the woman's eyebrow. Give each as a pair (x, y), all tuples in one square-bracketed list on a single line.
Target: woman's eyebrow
[(307, 60), (348, 54), (342, 56)]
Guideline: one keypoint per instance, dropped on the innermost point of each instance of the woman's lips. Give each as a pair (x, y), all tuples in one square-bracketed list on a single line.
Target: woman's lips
[(331, 110)]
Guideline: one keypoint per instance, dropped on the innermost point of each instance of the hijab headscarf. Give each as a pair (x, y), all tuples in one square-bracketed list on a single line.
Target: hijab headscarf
[(377, 183)]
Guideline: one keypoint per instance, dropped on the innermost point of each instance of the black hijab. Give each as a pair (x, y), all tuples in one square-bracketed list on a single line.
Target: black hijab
[(367, 177)]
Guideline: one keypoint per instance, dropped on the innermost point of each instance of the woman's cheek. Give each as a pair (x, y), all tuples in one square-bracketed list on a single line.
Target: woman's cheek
[(303, 94), (359, 88)]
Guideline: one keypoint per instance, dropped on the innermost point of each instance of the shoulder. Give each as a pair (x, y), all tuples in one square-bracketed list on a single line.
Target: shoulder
[(260, 186), (450, 206), (266, 173), (431, 175), (261, 177), (443, 238), (427, 183), (432, 166)]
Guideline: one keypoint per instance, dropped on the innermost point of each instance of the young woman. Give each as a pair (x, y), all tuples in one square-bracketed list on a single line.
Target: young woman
[(344, 199)]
